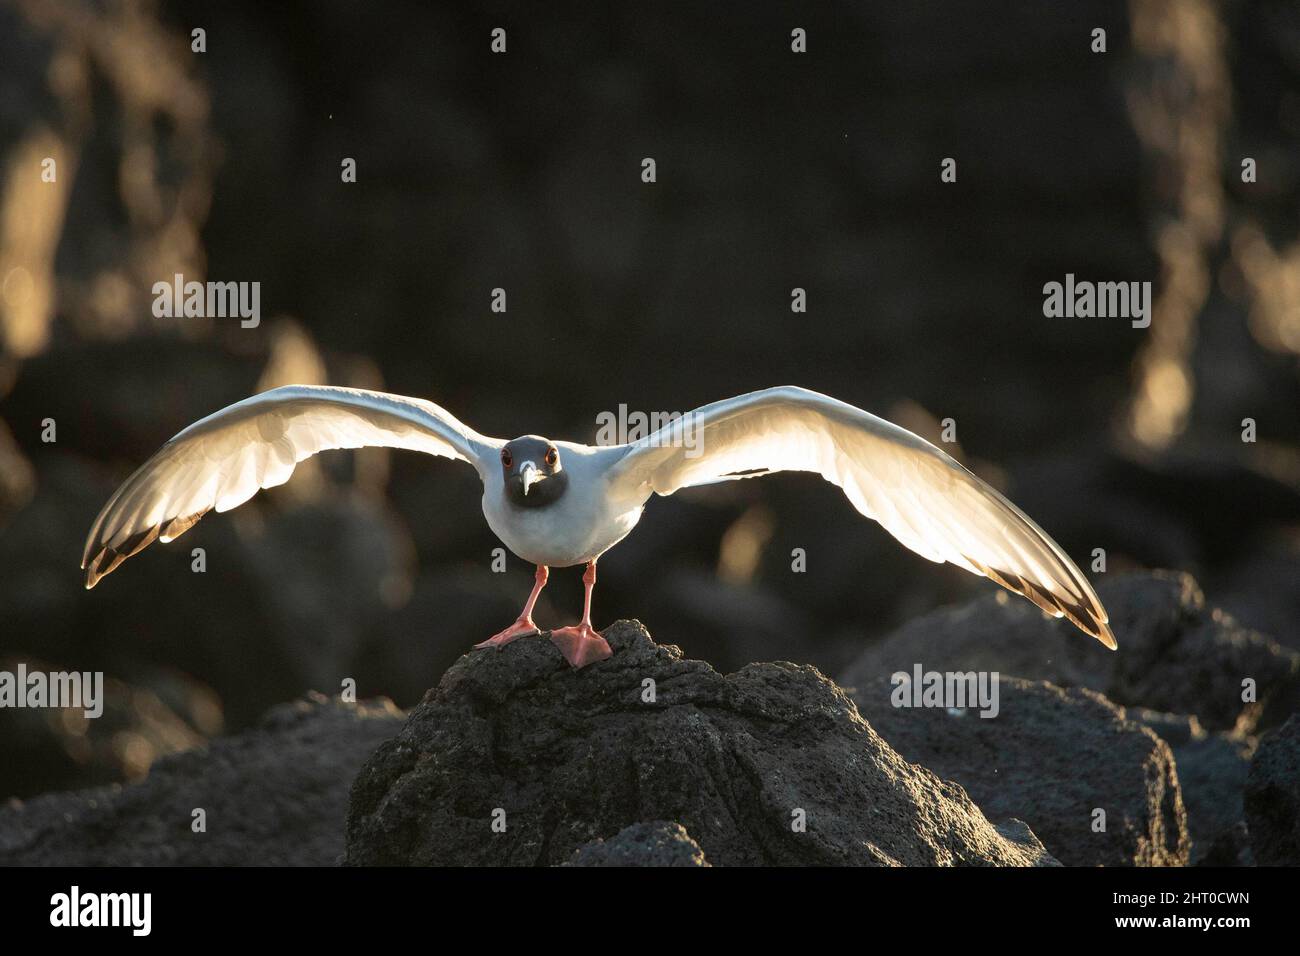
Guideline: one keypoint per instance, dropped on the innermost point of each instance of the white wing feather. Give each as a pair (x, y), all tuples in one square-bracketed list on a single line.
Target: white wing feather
[(223, 460), (924, 498)]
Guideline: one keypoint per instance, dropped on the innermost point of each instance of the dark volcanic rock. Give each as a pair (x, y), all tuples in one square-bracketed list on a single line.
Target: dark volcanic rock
[(1273, 797), (557, 758), (1260, 591), (658, 843), (1050, 757), (1175, 654), (1230, 848), (1211, 774), (275, 795)]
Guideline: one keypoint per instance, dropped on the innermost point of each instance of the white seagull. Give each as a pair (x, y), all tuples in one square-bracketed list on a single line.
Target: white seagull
[(559, 504)]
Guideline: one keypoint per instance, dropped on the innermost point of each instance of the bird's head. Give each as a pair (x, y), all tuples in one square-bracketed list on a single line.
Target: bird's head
[(534, 475)]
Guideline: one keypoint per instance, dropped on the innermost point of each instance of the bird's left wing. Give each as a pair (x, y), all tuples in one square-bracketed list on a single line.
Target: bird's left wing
[(924, 498), (221, 461)]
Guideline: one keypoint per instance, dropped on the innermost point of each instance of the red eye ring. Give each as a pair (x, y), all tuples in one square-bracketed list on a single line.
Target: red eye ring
[(552, 456), (506, 458)]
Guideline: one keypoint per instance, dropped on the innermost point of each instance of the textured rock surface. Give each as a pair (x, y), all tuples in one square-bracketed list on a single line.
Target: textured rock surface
[(1175, 654), (275, 795), (563, 758), (1212, 769), (1272, 797), (658, 843), (1050, 757)]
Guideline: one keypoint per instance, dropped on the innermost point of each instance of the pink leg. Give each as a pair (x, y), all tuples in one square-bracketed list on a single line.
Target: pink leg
[(524, 626), (582, 645)]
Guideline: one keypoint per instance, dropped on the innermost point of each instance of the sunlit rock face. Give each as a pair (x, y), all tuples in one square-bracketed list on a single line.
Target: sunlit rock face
[(515, 758), (105, 177)]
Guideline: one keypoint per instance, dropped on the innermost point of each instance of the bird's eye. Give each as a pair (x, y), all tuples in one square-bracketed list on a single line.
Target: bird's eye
[(506, 458), (552, 456)]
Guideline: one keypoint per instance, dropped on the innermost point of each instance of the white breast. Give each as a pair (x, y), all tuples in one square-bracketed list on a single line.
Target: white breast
[(580, 526)]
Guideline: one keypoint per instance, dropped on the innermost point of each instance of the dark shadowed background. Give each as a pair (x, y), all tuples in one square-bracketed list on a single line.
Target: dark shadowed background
[(522, 171)]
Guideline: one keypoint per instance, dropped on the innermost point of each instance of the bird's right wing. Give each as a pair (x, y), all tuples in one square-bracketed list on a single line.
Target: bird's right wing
[(221, 461)]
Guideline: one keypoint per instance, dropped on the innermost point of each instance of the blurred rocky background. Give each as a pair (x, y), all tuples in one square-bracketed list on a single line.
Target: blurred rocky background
[(522, 171)]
